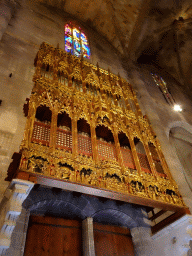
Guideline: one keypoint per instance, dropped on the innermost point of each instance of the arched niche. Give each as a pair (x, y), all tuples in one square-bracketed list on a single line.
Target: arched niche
[(105, 142), (42, 124), (91, 89), (64, 135), (77, 84), (47, 71), (84, 137), (156, 159), (62, 78), (144, 163), (126, 151), (181, 140)]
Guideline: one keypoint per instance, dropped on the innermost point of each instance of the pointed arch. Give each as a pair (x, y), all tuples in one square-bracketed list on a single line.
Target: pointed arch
[(84, 137), (142, 155), (156, 159), (126, 151), (64, 134), (92, 79), (105, 142), (42, 125)]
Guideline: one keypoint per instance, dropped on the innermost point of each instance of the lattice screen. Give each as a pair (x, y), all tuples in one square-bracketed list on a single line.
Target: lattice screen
[(128, 158), (106, 150), (41, 133), (64, 139), (84, 145)]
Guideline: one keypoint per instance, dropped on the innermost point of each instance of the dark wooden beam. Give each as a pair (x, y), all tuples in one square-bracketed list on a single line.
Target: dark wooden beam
[(175, 216), (86, 189), (155, 216)]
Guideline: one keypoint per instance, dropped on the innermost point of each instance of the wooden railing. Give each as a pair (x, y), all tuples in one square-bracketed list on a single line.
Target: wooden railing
[(84, 145), (64, 139), (128, 158), (106, 150), (41, 133)]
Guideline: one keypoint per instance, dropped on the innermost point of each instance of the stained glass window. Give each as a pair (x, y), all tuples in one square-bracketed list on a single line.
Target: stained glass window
[(76, 42), (163, 87)]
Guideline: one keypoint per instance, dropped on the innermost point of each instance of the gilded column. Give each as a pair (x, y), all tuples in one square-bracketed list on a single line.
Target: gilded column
[(53, 131), (29, 125), (139, 113), (127, 104), (117, 146), (74, 136), (94, 142), (150, 159), (134, 152)]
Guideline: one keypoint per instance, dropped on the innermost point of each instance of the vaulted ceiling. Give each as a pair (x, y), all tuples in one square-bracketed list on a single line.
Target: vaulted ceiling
[(157, 31)]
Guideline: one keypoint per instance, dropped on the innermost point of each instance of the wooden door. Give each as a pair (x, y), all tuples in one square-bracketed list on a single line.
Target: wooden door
[(49, 236), (112, 241)]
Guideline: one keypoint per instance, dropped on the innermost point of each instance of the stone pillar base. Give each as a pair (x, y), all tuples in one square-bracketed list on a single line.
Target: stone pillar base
[(10, 209)]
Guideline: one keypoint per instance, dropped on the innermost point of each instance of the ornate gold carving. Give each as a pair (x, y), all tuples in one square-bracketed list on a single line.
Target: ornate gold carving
[(91, 93)]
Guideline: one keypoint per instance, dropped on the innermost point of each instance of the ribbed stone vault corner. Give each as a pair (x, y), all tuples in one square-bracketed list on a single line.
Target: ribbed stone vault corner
[(11, 208)]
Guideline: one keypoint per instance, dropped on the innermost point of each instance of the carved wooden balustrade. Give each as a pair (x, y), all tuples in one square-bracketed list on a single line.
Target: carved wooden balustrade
[(66, 84)]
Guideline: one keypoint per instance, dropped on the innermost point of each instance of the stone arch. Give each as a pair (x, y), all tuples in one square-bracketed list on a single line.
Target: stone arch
[(58, 202), (84, 137), (115, 217), (181, 124)]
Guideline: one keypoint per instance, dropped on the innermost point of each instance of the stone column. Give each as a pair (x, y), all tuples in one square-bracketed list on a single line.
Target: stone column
[(7, 8), (11, 207), (141, 238), (18, 238), (88, 237)]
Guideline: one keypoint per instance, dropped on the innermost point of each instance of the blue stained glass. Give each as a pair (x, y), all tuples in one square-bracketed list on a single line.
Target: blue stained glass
[(68, 44), (76, 33)]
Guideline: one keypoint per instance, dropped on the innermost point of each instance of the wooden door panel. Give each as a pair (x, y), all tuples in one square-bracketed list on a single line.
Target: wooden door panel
[(112, 241), (48, 236)]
